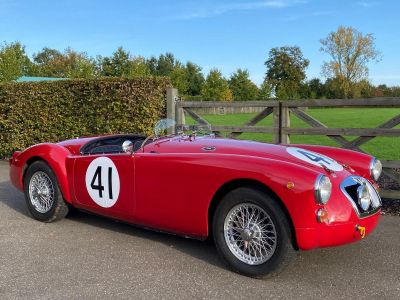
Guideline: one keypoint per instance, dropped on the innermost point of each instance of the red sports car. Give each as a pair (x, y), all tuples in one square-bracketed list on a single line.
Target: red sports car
[(260, 202)]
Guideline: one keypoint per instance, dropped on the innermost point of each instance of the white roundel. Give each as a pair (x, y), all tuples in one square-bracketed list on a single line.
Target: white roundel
[(314, 158), (102, 182)]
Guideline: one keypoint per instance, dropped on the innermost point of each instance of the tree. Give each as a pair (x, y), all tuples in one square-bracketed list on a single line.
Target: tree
[(316, 89), (14, 62), (195, 79), (117, 65), (265, 91), (286, 70), (383, 90), (242, 87), (78, 65), (185, 78), (216, 87), (363, 89), (350, 53), (123, 64), (47, 63), (332, 89), (152, 63), (138, 67), (70, 64), (166, 64), (179, 79)]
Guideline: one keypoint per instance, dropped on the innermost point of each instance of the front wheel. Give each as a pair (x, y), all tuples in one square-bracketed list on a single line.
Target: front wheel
[(252, 233), (42, 194)]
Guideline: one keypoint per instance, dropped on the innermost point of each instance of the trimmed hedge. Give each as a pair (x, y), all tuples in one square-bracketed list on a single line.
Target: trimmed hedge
[(36, 112)]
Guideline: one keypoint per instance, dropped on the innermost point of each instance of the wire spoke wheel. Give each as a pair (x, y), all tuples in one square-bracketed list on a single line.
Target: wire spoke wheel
[(250, 233), (41, 192)]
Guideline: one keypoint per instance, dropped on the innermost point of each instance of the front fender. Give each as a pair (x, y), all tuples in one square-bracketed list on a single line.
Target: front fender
[(54, 155), (292, 183)]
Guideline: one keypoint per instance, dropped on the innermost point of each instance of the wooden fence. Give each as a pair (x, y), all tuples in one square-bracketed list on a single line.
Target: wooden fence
[(281, 128)]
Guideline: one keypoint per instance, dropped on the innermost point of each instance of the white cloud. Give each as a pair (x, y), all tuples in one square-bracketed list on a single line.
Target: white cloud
[(244, 6), (309, 15), (367, 4)]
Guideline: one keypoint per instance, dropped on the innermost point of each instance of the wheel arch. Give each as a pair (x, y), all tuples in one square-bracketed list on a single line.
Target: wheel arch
[(251, 183), (54, 156)]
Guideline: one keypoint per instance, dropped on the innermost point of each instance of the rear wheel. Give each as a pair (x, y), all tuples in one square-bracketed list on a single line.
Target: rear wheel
[(252, 233), (42, 193)]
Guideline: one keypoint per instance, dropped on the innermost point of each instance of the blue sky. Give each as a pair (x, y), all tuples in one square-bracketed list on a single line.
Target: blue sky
[(220, 33)]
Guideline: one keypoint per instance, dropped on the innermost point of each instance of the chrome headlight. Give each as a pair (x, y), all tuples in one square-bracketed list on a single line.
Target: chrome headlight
[(375, 168), (364, 197), (322, 189)]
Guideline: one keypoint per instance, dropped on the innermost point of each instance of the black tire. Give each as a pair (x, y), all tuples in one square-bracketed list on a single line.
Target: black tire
[(283, 252), (58, 209)]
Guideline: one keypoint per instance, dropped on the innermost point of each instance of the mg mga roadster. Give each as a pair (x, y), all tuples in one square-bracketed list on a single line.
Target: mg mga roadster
[(259, 202)]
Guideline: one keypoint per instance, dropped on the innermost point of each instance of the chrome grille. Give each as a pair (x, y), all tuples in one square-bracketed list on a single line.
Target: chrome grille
[(349, 188)]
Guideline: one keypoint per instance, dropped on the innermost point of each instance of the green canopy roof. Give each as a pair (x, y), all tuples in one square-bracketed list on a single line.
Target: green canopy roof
[(29, 78)]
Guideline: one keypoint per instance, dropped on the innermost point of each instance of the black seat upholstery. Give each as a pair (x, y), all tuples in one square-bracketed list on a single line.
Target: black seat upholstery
[(106, 149)]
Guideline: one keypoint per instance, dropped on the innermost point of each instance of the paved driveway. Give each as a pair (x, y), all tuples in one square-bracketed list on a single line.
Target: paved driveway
[(88, 257)]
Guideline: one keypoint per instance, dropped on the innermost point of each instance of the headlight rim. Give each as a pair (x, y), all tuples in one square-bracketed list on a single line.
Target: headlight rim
[(317, 189), (372, 165)]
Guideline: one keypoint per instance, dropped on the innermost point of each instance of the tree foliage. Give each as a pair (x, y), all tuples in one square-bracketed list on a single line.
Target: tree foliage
[(350, 53), (346, 72), (117, 65), (286, 70), (265, 91), (216, 87), (69, 64), (242, 87), (195, 78), (179, 79), (14, 62)]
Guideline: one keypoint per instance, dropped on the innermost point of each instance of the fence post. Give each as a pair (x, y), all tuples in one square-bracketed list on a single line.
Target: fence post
[(172, 95), (276, 139), (179, 114), (284, 123)]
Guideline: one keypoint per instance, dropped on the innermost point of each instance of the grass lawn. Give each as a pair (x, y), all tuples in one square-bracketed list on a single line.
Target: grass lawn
[(387, 148)]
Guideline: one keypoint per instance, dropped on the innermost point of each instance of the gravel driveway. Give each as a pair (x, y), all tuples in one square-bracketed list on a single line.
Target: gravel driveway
[(88, 257)]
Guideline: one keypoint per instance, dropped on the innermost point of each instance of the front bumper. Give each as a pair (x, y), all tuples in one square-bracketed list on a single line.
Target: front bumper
[(335, 234)]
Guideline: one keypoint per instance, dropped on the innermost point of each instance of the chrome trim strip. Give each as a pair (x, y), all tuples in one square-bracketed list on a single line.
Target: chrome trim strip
[(354, 180)]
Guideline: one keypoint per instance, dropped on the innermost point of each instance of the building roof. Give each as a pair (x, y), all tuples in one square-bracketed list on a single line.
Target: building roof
[(30, 78)]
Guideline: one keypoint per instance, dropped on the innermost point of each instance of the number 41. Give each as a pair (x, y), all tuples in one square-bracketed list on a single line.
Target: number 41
[(99, 186)]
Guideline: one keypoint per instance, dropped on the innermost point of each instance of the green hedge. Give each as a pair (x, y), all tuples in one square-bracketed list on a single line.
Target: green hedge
[(36, 112)]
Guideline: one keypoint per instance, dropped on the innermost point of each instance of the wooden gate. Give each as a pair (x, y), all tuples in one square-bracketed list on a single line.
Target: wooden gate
[(281, 128)]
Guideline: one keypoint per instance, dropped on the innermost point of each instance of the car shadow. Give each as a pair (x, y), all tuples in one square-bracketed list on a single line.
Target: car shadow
[(319, 263), (203, 250)]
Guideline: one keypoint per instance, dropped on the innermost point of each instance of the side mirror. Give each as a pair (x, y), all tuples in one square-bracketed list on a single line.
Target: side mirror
[(127, 147)]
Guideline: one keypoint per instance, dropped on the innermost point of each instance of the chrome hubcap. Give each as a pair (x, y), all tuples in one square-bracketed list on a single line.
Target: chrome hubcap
[(41, 192), (250, 234)]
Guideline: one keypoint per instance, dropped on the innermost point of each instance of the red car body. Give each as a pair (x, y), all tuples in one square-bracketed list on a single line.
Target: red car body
[(173, 184)]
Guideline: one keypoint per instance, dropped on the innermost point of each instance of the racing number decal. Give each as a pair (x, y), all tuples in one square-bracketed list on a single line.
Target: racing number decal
[(102, 182), (314, 158)]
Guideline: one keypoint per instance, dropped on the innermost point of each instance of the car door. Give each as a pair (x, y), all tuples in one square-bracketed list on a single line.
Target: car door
[(104, 184)]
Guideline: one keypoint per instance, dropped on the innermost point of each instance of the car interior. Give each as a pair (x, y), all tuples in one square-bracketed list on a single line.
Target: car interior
[(111, 144)]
